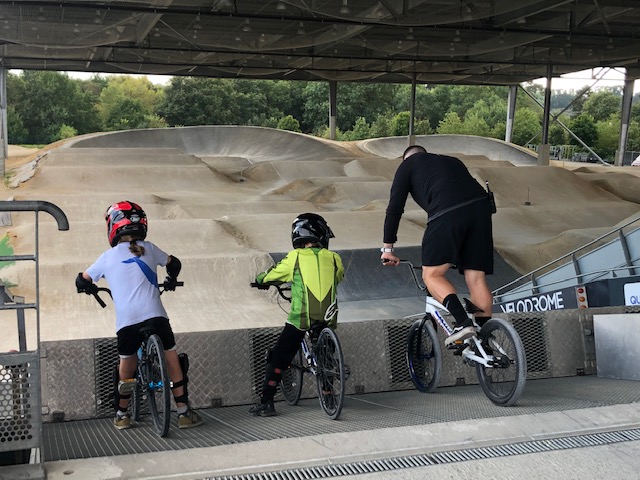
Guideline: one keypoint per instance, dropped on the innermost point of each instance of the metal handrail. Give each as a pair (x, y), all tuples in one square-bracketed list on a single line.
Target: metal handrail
[(528, 276), (36, 206), (522, 288)]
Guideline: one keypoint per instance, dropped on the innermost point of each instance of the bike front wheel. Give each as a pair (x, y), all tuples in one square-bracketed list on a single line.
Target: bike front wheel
[(158, 385), (503, 381), (330, 375), (291, 381), (424, 356)]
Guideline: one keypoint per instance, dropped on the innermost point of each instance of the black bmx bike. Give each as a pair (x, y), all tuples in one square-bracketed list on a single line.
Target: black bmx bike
[(152, 382), (319, 355)]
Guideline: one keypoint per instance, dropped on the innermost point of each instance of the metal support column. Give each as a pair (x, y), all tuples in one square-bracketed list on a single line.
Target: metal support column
[(511, 112), (333, 102), (412, 109), (4, 140), (625, 117), (543, 151)]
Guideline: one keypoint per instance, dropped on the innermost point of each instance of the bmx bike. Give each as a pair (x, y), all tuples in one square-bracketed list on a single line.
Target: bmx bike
[(495, 350), (320, 355), (152, 382)]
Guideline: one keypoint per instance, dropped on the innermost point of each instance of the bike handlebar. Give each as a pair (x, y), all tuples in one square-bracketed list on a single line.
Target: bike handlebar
[(280, 288), (104, 289), (413, 269)]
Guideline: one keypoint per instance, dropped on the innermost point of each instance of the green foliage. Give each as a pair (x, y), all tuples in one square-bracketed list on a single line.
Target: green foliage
[(602, 104), (584, 127), (381, 127), (46, 101), (125, 114), (526, 127), (153, 121), (289, 123), (608, 133), (400, 124), (361, 130), (66, 131), (450, 124), (422, 127), (16, 131)]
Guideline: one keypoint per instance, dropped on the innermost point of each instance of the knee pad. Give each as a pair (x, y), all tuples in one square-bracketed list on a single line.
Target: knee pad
[(122, 389)]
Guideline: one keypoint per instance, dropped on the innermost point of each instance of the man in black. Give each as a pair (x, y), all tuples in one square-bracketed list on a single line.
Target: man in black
[(459, 231)]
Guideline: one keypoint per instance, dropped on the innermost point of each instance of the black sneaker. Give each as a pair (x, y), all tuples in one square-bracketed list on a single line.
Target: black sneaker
[(460, 334), (263, 410)]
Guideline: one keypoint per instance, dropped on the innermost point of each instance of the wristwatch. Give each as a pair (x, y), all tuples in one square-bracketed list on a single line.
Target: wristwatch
[(386, 250)]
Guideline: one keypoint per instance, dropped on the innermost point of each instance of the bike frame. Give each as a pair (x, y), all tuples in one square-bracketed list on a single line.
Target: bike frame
[(436, 310)]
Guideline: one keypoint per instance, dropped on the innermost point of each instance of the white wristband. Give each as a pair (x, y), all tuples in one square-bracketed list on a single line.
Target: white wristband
[(386, 250)]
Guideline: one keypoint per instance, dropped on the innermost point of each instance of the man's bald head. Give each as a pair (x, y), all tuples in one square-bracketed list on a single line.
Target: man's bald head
[(412, 149)]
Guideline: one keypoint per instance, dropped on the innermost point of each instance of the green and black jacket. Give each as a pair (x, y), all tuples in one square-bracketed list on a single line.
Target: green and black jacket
[(314, 274)]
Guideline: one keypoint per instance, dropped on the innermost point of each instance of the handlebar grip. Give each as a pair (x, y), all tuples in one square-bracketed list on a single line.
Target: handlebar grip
[(99, 300)]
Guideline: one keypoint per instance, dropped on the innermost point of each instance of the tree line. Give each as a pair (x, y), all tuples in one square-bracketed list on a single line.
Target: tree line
[(43, 107)]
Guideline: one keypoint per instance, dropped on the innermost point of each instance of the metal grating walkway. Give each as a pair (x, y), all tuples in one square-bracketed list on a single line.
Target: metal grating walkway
[(232, 425)]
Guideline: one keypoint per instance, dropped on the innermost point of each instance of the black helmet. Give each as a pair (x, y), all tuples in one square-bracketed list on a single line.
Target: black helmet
[(309, 227)]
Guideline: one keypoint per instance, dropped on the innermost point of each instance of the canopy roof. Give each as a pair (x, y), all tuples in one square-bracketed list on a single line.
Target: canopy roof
[(440, 41)]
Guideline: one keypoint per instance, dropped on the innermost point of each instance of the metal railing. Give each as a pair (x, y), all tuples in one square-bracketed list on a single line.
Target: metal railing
[(20, 371), (531, 282)]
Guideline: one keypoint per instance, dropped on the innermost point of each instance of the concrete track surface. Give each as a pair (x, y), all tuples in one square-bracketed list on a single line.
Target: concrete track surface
[(222, 199)]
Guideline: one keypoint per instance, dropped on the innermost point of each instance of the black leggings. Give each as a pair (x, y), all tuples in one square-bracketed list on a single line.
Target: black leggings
[(279, 359)]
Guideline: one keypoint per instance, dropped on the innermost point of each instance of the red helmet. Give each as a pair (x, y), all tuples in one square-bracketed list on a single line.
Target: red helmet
[(125, 218)]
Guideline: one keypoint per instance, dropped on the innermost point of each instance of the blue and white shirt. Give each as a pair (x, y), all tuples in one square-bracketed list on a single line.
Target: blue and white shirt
[(133, 282)]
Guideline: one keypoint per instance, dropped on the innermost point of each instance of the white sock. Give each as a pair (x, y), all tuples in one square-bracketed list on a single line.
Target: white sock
[(182, 409)]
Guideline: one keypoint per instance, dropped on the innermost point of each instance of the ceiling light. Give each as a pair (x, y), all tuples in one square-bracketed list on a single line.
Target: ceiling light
[(610, 44), (410, 34), (344, 9), (456, 37), (281, 6), (246, 27), (301, 29)]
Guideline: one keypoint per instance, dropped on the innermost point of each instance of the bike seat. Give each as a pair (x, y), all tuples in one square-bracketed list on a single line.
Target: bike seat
[(147, 330)]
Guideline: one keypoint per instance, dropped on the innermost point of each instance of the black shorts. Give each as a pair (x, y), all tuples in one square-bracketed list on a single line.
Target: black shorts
[(130, 338), (462, 237)]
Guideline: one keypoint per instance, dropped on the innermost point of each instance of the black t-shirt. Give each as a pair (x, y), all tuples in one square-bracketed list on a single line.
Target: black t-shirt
[(435, 182)]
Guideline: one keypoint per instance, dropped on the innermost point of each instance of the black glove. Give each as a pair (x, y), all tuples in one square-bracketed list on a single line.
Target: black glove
[(85, 286), (170, 283), (260, 286)]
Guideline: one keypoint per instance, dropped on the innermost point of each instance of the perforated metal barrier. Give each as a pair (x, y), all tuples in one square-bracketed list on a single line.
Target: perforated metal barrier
[(20, 419), (227, 367)]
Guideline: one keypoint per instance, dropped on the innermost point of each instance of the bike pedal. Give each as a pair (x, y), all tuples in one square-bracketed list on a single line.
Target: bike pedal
[(457, 348)]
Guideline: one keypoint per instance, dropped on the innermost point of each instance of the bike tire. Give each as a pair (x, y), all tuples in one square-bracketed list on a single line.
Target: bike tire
[(158, 386), (504, 382), (330, 375), (424, 356), (136, 400), (291, 381)]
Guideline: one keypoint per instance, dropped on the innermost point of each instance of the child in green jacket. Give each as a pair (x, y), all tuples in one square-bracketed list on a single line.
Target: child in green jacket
[(314, 272)]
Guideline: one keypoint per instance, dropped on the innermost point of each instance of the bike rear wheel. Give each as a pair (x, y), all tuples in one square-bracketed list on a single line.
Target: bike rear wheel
[(136, 400), (158, 385), (330, 375), (291, 381), (424, 356), (503, 382)]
